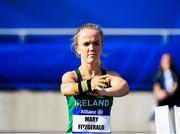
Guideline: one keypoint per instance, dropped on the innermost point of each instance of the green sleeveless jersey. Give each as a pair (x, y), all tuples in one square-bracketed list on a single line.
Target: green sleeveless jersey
[(86, 101)]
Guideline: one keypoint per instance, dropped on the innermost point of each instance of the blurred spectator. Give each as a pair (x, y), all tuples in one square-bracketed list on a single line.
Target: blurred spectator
[(166, 83), (166, 86)]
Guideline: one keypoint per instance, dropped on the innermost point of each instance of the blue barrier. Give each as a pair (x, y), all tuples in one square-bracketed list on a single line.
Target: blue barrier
[(41, 65)]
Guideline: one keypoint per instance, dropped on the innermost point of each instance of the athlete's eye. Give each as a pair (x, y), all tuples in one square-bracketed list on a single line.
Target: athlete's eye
[(86, 43), (97, 43)]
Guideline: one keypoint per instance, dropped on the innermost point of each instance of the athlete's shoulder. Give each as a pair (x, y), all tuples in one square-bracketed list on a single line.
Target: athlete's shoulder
[(69, 76), (113, 73)]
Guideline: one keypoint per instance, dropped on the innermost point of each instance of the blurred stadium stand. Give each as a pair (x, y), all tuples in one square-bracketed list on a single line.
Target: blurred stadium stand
[(37, 62)]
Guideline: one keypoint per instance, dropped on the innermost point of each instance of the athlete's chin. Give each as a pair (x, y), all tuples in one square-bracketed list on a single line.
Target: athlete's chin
[(92, 61)]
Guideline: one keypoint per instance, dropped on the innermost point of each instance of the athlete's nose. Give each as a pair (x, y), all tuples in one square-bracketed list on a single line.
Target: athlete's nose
[(91, 47)]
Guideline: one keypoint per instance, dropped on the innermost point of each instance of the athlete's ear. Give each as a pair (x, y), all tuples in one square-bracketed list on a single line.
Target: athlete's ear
[(77, 50)]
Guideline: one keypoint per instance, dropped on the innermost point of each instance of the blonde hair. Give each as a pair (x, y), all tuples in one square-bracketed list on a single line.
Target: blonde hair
[(85, 26)]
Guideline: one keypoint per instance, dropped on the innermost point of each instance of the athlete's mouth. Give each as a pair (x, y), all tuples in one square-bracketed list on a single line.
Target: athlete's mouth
[(91, 54)]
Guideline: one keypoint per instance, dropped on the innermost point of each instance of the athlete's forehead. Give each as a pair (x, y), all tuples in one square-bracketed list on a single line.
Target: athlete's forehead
[(86, 35)]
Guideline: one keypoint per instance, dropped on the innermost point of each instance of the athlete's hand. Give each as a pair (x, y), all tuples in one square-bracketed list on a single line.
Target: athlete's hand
[(162, 95), (99, 82)]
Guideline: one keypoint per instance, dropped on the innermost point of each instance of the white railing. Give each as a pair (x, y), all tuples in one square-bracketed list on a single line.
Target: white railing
[(107, 31), (23, 32)]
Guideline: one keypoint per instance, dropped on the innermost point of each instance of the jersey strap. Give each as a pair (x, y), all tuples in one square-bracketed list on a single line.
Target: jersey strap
[(103, 71), (78, 74)]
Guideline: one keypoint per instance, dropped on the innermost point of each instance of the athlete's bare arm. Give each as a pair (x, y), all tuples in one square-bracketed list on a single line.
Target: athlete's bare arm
[(118, 86), (69, 86)]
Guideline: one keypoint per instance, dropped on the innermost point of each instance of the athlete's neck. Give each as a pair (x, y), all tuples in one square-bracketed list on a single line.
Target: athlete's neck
[(90, 70)]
